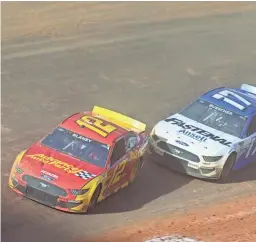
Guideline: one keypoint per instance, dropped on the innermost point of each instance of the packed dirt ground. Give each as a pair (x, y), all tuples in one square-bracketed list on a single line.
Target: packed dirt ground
[(118, 49), (233, 221), (29, 19)]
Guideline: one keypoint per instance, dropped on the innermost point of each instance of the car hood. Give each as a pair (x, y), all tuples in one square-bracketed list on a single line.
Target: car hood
[(57, 168), (193, 136)]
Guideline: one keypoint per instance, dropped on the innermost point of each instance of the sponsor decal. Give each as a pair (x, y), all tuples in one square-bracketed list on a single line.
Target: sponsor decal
[(62, 165), (176, 151), (81, 137), (198, 131), (181, 143), (220, 109), (54, 162), (193, 135), (43, 185), (48, 176), (85, 175), (77, 136)]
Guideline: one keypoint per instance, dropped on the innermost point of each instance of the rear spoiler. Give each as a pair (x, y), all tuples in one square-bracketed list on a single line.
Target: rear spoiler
[(248, 88), (120, 119)]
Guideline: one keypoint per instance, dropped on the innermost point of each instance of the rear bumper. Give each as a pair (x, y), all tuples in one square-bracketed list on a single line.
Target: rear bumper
[(47, 199), (183, 166)]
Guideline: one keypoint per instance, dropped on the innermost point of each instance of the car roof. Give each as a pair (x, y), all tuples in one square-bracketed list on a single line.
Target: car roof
[(70, 124), (235, 99)]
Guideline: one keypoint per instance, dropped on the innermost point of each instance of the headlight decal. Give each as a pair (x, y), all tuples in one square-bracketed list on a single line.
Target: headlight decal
[(155, 137), (78, 192)]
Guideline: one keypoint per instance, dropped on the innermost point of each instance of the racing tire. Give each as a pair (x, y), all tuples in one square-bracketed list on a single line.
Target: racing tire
[(138, 168), (94, 199), (226, 172)]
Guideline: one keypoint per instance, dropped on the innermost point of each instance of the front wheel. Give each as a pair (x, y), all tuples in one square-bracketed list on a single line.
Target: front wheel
[(225, 174), (94, 199)]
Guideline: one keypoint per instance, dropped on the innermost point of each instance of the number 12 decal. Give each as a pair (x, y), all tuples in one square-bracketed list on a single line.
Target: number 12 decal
[(115, 175), (252, 148), (97, 125)]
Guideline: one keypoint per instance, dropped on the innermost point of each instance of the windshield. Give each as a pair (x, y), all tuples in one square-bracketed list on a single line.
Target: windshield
[(215, 117), (77, 146)]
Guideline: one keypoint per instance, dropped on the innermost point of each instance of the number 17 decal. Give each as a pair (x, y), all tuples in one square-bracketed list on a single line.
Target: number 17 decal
[(226, 93)]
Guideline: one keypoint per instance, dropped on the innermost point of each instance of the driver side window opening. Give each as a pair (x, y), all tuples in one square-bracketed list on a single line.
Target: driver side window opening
[(131, 141), (118, 151)]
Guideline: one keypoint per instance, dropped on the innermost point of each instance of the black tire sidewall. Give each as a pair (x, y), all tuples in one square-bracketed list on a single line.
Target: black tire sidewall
[(94, 197), (230, 162), (138, 168)]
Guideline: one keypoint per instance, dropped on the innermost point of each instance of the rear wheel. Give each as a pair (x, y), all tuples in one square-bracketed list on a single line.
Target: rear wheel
[(226, 172), (138, 167)]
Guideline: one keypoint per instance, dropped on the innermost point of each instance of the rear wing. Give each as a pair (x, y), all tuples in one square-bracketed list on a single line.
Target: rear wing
[(120, 119), (248, 88)]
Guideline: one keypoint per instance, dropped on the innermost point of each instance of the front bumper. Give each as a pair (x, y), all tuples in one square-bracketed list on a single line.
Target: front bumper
[(175, 163), (47, 199)]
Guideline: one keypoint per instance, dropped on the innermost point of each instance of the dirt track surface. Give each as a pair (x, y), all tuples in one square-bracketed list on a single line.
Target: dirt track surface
[(212, 223), (144, 60)]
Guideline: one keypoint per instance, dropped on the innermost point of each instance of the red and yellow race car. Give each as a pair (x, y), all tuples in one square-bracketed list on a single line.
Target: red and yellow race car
[(82, 161)]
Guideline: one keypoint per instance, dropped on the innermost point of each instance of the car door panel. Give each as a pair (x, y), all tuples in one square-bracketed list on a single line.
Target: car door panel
[(117, 175), (247, 152), (133, 154), (243, 155)]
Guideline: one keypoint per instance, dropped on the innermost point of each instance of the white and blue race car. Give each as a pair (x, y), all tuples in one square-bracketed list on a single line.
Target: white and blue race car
[(210, 137)]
